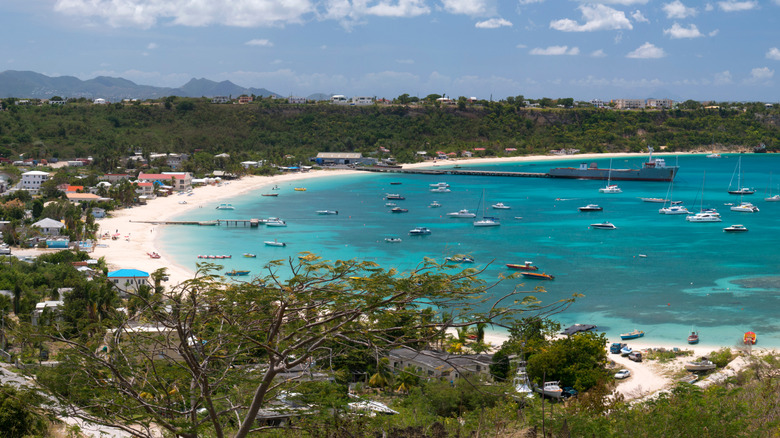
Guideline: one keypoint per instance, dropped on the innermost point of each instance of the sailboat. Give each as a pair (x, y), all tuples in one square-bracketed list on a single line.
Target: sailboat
[(610, 188), (771, 198), (739, 190), (486, 221), (704, 215), (673, 207), (743, 207)]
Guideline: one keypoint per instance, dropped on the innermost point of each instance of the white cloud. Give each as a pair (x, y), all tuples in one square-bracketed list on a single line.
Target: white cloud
[(493, 23), (723, 78), (737, 6), (528, 2), (405, 61), (773, 53), (638, 17), (147, 13), (708, 7), (713, 33), (521, 46), (677, 32), (677, 9), (555, 50), (617, 2), (596, 17), (151, 46), (647, 51), (760, 74), (468, 7), (259, 43), (598, 54), (403, 8)]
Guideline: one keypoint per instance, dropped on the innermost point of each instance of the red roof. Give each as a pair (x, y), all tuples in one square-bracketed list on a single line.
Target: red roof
[(479, 149), (145, 184)]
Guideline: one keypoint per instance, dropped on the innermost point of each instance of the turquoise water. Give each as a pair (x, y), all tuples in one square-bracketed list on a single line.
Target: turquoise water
[(693, 275)]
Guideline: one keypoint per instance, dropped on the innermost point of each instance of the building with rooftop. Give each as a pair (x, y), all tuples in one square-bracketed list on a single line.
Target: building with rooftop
[(440, 365), (128, 280), (32, 180)]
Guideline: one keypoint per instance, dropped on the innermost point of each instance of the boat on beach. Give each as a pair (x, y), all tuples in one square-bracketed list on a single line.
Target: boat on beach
[(550, 389), (626, 350), (538, 276), (749, 338), (700, 365), (527, 266), (693, 338), (632, 335), (153, 255)]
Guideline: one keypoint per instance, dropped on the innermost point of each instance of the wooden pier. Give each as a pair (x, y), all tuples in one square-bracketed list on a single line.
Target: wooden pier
[(253, 223), (453, 172)]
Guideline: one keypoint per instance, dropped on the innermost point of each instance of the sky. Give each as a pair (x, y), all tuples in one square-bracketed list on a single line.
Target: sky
[(600, 49)]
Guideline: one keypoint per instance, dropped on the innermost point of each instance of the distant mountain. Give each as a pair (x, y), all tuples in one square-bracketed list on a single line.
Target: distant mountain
[(28, 84)]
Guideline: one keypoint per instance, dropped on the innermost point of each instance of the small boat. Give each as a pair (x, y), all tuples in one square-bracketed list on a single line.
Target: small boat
[(775, 198), (394, 196), (713, 155), (693, 338), (699, 366), (182, 202), (419, 231), (612, 188), (603, 226), (462, 213), (439, 184), (538, 276), (735, 229), (626, 350), (674, 209), (656, 200), (274, 243), (325, 212), (500, 206), (395, 183), (632, 335), (225, 207), (153, 255), (269, 194), (300, 189), (749, 338), (235, 273), (390, 204), (441, 190), (249, 255), (745, 207), (276, 222), (393, 239), (591, 207), (527, 266), (434, 204), (399, 210), (487, 221), (459, 259), (550, 389), (704, 216)]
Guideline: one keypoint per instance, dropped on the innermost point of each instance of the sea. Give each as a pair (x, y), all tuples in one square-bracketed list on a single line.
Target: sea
[(656, 273)]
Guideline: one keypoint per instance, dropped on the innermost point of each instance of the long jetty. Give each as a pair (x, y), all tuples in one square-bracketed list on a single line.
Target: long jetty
[(453, 172), (227, 222)]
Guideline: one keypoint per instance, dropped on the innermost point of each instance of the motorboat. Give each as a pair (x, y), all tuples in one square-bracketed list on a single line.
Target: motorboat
[(419, 231), (704, 216), (735, 229), (274, 243), (632, 335), (745, 207), (699, 366), (604, 226), (393, 239), (439, 184), (626, 350), (395, 183), (500, 206), (462, 213), (394, 196), (235, 273), (538, 276), (713, 155), (441, 190), (300, 189), (390, 204), (527, 266), (550, 389), (459, 259), (399, 210), (674, 209), (693, 338), (487, 222), (326, 212), (249, 255), (435, 204), (749, 338), (591, 207), (275, 222), (269, 194), (225, 207)]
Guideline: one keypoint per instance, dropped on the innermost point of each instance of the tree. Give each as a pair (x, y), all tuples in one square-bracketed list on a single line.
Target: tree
[(19, 413), (210, 358)]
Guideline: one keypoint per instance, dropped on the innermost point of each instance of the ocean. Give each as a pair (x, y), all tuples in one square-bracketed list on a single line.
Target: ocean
[(657, 273)]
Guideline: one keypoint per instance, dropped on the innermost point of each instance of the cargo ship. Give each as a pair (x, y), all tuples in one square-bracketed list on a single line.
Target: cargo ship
[(654, 169)]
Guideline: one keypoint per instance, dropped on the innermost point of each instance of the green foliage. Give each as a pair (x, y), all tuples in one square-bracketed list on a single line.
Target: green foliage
[(722, 357), (664, 355), (578, 361), (20, 415)]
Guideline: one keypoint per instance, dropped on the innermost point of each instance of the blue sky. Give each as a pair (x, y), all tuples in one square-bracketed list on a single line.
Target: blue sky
[(608, 49)]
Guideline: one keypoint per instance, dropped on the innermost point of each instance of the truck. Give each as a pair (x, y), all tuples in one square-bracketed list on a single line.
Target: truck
[(616, 347)]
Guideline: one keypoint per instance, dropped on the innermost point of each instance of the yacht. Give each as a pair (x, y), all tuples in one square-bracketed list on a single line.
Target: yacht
[(439, 184), (745, 207), (435, 204), (674, 209), (501, 206), (591, 207), (275, 222), (603, 226), (704, 216), (441, 190), (487, 221), (462, 213), (325, 212), (735, 229), (612, 188), (420, 231)]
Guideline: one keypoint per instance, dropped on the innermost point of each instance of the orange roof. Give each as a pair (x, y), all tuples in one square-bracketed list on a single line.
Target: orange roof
[(82, 197), (145, 184)]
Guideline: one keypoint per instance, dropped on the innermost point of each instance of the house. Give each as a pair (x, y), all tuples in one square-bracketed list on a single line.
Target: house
[(244, 99), (128, 280), (32, 180), (296, 100), (362, 100), (178, 181), (220, 99), (98, 213), (84, 197), (49, 227), (629, 103), (343, 158), (145, 189), (339, 99), (52, 307), (100, 101), (440, 365)]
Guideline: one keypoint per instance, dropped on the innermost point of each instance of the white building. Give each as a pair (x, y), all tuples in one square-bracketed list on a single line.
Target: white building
[(660, 103), (363, 100), (629, 103), (296, 100), (598, 103), (31, 181), (339, 99), (49, 227), (100, 101)]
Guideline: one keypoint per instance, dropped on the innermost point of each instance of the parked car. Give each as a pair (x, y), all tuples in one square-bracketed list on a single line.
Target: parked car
[(636, 356), (616, 347), (622, 374), (568, 391)]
